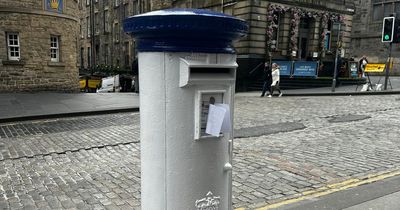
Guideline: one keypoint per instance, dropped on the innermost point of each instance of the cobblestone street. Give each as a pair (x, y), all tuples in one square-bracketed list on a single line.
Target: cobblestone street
[(284, 147)]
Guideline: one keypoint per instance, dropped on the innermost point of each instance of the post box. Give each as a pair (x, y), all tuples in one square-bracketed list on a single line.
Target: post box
[(187, 66)]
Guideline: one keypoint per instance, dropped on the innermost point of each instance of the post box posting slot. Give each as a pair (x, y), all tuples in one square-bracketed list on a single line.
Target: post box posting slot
[(204, 100), (194, 72)]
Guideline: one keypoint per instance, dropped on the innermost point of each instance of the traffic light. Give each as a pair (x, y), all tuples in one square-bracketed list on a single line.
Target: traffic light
[(396, 32), (387, 29)]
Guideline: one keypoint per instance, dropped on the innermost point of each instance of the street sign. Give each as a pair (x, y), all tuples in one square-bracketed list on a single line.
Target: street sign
[(375, 67), (388, 29)]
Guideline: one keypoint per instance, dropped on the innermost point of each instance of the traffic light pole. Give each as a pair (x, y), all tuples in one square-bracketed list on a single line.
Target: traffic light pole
[(387, 36), (388, 66)]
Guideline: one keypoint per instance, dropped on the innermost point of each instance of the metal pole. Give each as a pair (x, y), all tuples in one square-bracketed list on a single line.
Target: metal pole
[(92, 40), (336, 61), (388, 66)]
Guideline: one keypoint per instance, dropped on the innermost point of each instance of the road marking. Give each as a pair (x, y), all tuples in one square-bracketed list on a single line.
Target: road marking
[(350, 183)]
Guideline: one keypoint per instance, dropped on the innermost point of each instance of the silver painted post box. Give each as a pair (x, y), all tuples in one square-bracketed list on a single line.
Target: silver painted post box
[(187, 68)]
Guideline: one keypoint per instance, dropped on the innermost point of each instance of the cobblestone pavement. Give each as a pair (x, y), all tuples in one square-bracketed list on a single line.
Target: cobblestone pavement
[(299, 144)]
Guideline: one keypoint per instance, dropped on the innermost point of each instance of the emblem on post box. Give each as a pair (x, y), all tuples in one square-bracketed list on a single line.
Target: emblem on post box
[(210, 202)]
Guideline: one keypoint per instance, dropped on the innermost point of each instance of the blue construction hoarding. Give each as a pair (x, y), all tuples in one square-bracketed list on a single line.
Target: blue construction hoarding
[(285, 67), (305, 68)]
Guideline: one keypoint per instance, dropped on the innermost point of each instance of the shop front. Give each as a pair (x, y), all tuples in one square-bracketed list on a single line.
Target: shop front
[(304, 40)]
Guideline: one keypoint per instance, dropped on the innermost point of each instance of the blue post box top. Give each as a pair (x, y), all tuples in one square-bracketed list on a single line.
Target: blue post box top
[(185, 30)]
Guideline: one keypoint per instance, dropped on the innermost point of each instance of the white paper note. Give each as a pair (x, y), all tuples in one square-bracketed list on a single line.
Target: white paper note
[(226, 124), (215, 119)]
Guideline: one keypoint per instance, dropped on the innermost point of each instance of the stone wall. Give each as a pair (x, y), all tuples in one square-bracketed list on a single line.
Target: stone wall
[(35, 71)]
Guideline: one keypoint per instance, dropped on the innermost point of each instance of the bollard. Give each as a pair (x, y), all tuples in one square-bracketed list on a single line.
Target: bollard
[(187, 68)]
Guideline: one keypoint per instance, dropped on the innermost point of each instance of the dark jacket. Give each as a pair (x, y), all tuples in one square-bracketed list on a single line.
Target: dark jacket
[(267, 77), (360, 64), (135, 67)]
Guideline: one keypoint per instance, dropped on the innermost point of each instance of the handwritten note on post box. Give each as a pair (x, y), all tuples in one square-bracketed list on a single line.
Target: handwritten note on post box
[(226, 124), (219, 119)]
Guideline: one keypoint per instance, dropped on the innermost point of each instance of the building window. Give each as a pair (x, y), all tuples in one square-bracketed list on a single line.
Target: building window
[(55, 48), (387, 9), (106, 19), (89, 57), (397, 8), (357, 43), (116, 3), (135, 8), (126, 10), (82, 59), (82, 32), (126, 56), (378, 12), (88, 26), (13, 46), (96, 19), (384, 8), (116, 32), (97, 52), (328, 36), (88, 2), (106, 54)]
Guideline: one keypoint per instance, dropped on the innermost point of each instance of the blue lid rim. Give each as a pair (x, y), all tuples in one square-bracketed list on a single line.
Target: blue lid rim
[(202, 31)]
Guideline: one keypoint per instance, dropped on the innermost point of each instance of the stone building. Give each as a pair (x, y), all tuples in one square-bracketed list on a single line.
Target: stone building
[(101, 27), (367, 31), (38, 45), (287, 31)]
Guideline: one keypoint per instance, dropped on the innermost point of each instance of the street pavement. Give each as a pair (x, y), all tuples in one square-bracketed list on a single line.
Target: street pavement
[(21, 106), (284, 148), (44, 105)]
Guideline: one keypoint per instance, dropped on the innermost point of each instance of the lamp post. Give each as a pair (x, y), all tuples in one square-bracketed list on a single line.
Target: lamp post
[(335, 72)]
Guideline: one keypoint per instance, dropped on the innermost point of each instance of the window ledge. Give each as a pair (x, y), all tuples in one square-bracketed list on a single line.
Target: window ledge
[(56, 64), (15, 63)]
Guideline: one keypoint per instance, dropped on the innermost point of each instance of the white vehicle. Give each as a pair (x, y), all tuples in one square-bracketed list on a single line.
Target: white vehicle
[(109, 84)]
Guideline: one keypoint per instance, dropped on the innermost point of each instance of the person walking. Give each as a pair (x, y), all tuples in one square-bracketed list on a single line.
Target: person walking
[(267, 77), (361, 68), (275, 80)]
